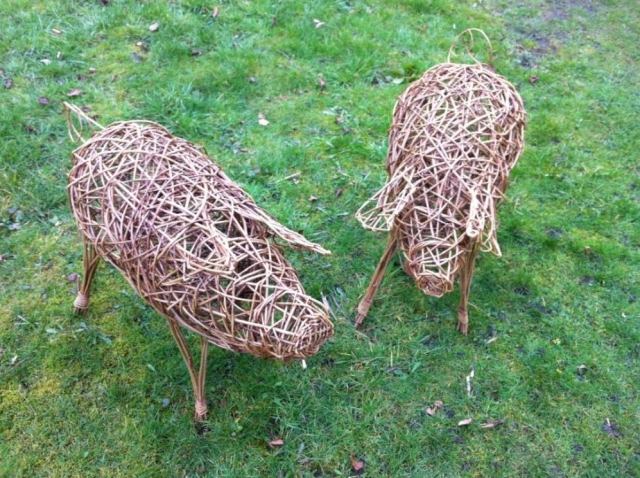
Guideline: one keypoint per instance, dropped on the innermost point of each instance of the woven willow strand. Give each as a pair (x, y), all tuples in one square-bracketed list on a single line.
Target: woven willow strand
[(456, 134), (192, 243)]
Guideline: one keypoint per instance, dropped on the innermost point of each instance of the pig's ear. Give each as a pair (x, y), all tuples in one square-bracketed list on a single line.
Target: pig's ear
[(380, 211), (292, 238)]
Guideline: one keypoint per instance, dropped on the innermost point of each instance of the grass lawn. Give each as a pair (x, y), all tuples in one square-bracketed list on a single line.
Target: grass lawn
[(555, 331)]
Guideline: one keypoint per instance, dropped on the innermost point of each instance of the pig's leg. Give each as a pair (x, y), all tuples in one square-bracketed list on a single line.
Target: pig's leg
[(466, 274), (198, 378), (376, 280), (90, 260)]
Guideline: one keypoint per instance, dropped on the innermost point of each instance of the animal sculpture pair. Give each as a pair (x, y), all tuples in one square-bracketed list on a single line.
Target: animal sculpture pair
[(200, 251)]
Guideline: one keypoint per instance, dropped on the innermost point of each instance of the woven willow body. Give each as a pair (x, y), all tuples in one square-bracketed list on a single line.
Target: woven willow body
[(193, 244), (456, 134)]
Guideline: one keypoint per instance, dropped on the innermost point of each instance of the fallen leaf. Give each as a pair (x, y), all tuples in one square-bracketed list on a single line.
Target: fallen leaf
[(611, 429), (74, 92), (154, 27), (492, 424), (465, 422), (357, 465), (533, 79), (276, 443), (8, 83), (262, 121), (321, 82), (432, 410), (215, 12), (318, 23), (469, 381), (73, 277)]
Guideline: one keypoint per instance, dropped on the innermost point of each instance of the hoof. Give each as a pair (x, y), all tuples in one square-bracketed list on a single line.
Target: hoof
[(201, 411), (81, 304), (463, 322)]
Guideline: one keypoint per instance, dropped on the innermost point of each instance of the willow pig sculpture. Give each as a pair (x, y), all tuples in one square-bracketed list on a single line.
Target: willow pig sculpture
[(456, 134), (193, 244)]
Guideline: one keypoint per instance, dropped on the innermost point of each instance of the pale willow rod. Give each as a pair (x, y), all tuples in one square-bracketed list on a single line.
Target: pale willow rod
[(192, 243), (456, 134)]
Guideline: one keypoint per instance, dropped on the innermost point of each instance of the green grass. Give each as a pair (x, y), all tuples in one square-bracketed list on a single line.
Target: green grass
[(84, 396)]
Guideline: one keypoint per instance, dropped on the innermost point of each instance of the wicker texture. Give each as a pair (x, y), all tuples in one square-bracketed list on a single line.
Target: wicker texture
[(456, 134), (193, 244)]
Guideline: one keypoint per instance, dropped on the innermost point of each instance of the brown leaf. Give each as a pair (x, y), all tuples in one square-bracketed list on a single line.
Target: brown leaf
[(357, 465), (154, 27), (73, 277), (465, 422), (8, 83), (276, 443), (432, 410), (215, 12), (492, 424), (533, 79), (43, 100), (74, 92)]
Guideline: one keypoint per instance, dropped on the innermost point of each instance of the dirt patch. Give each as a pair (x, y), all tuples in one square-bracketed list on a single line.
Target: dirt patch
[(539, 28)]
